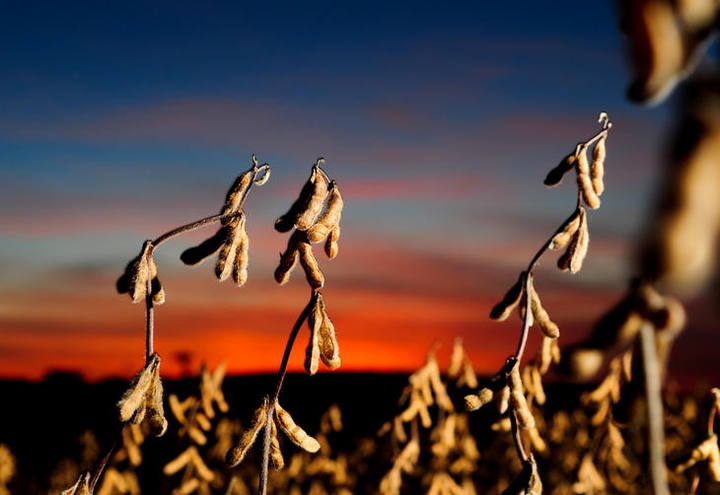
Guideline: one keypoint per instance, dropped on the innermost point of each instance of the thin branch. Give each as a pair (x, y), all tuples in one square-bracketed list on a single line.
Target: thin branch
[(290, 342), (267, 439)]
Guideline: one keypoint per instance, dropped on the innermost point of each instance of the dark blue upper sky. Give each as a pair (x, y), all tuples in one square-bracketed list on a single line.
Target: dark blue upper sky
[(119, 120)]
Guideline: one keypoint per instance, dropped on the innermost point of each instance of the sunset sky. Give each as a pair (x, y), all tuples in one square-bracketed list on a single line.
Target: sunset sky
[(119, 122)]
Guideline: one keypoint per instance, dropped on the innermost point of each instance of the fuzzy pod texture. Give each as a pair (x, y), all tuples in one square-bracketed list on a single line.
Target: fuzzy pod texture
[(502, 310), (155, 409), (314, 275), (566, 231), (574, 256), (525, 419), (288, 259), (296, 434), (597, 170), (156, 289), (584, 182), (227, 252), (502, 399), (555, 176), (208, 247), (236, 455), (331, 243), (277, 461), (134, 279), (473, 402), (240, 263), (81, 486), (286, 222), (314, 204), (330, 218), (329, 347), (549, 354), (548, 327), (136, 395), (307, 206), (235, 195)]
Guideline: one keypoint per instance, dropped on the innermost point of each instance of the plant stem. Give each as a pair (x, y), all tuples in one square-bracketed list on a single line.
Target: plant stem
[(290, 342), (262, 486), (267, 438), (656, 433), (149, 321)]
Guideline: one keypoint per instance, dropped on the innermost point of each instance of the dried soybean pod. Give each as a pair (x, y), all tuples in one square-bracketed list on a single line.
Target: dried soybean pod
[(597, 172), (286, 222), (240, 264), (156, 411), (576, 261), (576, 251), (288, 259), (312, 207), (585, 185), (314, 190), (134, 280), (517, 398), (474, 402), (555, 176), (237, 453), (235, 194), (81, 486), (548, 327), (208, 247), (156, 289), (503, 399), (312, 352), (699, 453), (502, 310), (277, 461), (296, 434), (314, 276), (135, 396), (331, 243), (566, 231), (546, 354), (329, 349), (226, 255), (329, 218)]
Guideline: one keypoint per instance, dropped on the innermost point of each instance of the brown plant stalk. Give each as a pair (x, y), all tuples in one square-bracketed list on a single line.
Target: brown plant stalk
[(572, 235), (259, 175)]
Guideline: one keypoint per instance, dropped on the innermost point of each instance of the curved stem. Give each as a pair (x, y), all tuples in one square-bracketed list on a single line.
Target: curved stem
[(267, 432), (184, 228), (100, 468), (526, 321), (290, 342)]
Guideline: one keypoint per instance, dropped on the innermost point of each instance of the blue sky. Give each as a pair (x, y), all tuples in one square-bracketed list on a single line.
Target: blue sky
[(119, 121)]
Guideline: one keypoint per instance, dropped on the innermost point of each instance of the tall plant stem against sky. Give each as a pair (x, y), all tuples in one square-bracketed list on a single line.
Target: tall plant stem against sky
[(262, 485), (149, 303)]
